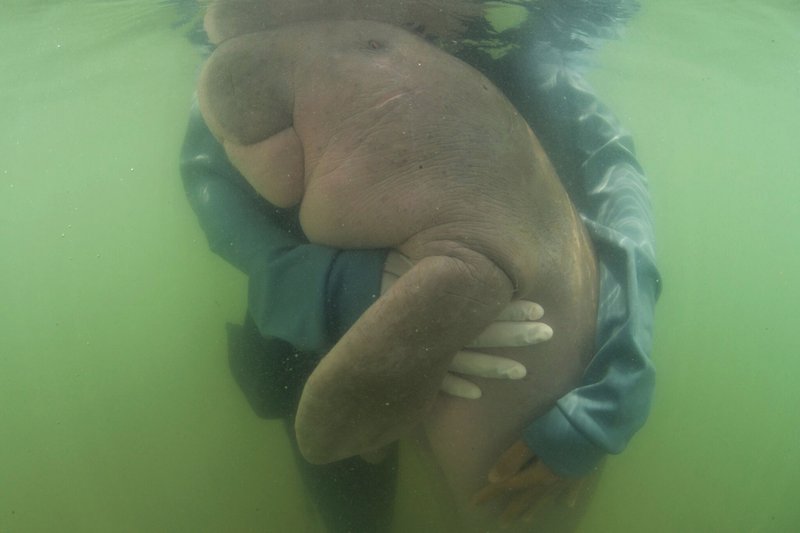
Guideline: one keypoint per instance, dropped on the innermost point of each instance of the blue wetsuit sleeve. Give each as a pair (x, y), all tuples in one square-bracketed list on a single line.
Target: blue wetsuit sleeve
[(305, 294), (596, 160)]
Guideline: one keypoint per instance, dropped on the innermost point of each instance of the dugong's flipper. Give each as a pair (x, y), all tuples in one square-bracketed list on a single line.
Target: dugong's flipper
[(384, 374)]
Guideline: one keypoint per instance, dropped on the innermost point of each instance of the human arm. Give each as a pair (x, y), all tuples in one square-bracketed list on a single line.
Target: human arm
[(517, 325), (305, 294), (309, 295), (610, 191), (595, 159), (530, 483)]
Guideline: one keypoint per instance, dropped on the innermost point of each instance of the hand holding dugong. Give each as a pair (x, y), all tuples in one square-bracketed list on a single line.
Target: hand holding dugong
[(517, 325), (387, 142)]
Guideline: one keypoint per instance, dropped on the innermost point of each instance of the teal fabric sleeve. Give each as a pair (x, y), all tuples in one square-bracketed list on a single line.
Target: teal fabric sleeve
[(594, 156), (305, 294)]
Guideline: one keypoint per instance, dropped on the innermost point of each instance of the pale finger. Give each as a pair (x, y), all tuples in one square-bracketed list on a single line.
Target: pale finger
[(461, 388), (496, 489), (521, 311), (487, 493), (528, 479), (387, 280), (512, 334), (487, 366), (512, 460), (397, 264)]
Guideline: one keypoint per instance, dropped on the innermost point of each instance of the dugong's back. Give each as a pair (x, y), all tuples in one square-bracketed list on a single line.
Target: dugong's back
[(405, 145)]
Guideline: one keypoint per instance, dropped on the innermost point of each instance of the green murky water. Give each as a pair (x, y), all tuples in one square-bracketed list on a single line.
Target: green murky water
[(117, 412)]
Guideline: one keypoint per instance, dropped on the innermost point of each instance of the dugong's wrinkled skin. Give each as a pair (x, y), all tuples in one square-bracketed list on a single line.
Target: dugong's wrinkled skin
[(387, 142)]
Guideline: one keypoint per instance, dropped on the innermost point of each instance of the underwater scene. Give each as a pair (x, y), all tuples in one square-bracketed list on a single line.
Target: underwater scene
[(123, 407)]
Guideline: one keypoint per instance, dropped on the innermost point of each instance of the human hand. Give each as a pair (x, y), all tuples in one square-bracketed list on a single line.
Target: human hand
[(527, 483), (515, 326)]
